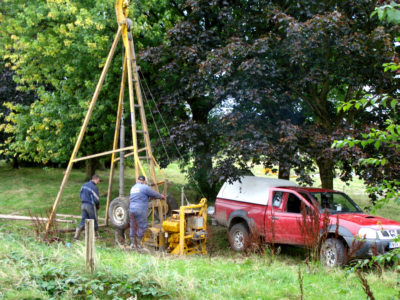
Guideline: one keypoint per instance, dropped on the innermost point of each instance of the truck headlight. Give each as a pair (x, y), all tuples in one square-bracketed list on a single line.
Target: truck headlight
[(367, 233)]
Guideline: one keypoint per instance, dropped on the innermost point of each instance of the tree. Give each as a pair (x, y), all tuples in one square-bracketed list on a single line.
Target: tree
[(57, 49), (9, 94), (187, 96), (381, 168), (308, 58)]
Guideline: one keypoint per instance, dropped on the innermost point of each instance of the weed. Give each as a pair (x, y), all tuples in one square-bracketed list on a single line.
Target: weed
[(39, 228), (57, 281), (270, 233), (365, 285), (356, 245), (256, 243), (60, 279), (301, 284), (314, 228), (210, 243)]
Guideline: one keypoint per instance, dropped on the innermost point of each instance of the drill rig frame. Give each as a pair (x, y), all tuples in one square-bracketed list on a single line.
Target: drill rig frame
[(184, 232)]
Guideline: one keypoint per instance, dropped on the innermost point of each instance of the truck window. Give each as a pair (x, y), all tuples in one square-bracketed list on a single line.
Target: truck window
[(277, 199), (293, 204)]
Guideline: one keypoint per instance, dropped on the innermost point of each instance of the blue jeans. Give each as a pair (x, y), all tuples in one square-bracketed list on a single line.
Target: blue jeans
[(88, 212)]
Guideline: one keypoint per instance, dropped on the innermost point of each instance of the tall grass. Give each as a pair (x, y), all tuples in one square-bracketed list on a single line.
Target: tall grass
[(25, 264)]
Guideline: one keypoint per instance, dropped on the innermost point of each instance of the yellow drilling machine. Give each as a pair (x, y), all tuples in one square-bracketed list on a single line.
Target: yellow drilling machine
[(177, 230)]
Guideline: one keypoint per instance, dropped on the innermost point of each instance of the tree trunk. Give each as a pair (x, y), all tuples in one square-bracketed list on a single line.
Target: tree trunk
[(326, 166), (203, 168), (91, 167), (15, 163), (203, 165), (284, 171)]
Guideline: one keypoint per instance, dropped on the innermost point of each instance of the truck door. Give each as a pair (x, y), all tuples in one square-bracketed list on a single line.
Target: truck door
[(286, 218)]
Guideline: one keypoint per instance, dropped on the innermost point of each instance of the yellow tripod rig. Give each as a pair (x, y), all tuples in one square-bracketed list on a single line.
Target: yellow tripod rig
[(185, 229)]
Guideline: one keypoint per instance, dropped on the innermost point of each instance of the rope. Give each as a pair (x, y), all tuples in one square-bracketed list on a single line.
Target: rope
[(154, 121), (166, 127)]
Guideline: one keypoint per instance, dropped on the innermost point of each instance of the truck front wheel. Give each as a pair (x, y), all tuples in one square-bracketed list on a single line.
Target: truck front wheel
[(239, 237), (333, 253)]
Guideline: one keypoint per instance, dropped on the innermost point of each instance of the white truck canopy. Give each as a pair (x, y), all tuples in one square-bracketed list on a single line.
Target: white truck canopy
[(251, 189)]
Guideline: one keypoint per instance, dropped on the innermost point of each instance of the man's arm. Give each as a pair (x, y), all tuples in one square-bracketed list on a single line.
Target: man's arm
[(96, 197), (151, 193)]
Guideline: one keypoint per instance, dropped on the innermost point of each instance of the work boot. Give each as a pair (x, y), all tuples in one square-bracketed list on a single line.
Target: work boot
[(77, 233), (135, 244), (119, 237), (97, 234)]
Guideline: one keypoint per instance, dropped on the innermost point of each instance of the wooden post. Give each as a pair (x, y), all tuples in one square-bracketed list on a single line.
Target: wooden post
[(89, 242)]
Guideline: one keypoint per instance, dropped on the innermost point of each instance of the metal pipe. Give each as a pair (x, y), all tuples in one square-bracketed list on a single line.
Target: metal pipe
[(122, 155), (182, 196)]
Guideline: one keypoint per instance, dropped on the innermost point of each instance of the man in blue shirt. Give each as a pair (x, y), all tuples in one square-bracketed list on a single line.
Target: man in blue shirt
[(90, 204), (139, 203)]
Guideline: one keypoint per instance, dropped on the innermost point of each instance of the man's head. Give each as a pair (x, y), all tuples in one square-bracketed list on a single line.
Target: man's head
[(141, 179), (96, 179)]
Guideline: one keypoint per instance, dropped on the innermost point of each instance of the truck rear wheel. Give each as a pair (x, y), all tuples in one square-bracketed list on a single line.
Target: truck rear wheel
[(333, 253), (239, 237)]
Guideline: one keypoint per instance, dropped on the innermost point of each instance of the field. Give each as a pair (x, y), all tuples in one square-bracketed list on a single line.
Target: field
[(30, 269)]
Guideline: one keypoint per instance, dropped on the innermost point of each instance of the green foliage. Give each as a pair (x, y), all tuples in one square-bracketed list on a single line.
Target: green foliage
[(390, 259), (56, 280), (58, 48), (386, 144), (385, 139), (389, 12)]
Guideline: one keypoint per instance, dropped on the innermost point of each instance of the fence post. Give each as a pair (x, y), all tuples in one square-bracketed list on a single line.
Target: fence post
[(89, 242)]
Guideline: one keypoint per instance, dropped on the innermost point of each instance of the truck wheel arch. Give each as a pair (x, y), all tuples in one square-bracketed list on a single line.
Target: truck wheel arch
[(240, 216), (341, 233)]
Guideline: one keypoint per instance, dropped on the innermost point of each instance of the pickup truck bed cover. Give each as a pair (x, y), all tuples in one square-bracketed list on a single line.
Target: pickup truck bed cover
[(251, 189)]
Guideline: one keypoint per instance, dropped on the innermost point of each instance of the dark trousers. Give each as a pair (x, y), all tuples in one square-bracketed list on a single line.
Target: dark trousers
[(88, 212), (138, 224)]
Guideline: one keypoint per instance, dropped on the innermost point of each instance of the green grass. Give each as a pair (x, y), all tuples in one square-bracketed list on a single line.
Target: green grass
[(24, 263), (225, 275), (33, 190)]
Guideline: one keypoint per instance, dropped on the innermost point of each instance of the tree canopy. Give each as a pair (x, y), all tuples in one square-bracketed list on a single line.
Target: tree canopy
[(237, 82), (382, 168), (57, 49), (286, 67)]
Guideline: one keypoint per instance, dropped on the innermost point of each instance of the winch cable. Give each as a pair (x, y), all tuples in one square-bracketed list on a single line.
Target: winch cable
[(155, 123), (166, 127)]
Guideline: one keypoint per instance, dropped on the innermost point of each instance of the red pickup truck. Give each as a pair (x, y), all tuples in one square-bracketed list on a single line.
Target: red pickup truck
[(277, 209)]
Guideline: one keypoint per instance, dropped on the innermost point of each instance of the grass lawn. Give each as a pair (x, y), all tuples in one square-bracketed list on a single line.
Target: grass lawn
[(33, 270), (33, 190)]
